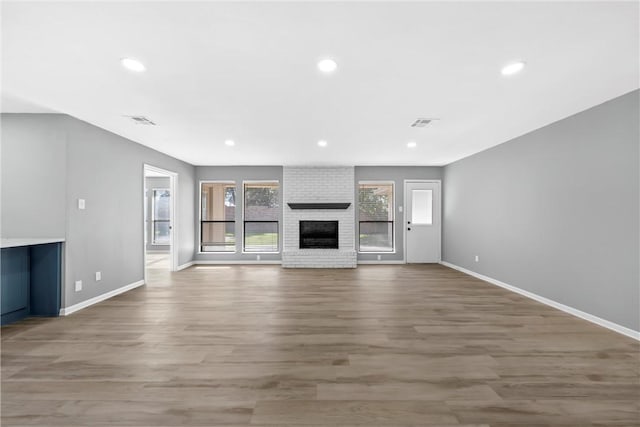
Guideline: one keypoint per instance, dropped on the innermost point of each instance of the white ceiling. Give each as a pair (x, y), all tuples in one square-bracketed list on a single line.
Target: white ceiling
[(247, 72)]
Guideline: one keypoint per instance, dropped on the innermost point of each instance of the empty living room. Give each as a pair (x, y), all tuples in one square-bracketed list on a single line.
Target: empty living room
[(308, 213)]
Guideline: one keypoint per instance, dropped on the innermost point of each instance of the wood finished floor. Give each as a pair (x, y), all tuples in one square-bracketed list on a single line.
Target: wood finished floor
[(260, 345)]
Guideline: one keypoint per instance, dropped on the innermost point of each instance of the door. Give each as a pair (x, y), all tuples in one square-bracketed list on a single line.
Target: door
[(422, 221), (160, 217)]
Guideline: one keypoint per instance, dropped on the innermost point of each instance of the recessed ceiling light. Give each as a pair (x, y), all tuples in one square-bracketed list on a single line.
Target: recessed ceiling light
[(327, 65), (133, 65), (513, 68), (411, 144), (322, 143), (230, 142)]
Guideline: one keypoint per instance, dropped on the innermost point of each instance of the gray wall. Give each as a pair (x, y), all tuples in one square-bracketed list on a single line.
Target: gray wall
[(555, 212), (237, 174), (33, 176), (107, 171), (396, 174), (153, 183)]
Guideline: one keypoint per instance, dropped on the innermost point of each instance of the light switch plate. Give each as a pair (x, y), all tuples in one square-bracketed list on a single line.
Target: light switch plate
[(81, 204)]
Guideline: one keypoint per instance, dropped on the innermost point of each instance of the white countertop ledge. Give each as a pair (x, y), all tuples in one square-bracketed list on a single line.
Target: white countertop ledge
[(15, 242)]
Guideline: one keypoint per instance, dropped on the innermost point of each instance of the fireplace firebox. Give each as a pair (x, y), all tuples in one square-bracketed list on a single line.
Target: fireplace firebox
[(318, 234)]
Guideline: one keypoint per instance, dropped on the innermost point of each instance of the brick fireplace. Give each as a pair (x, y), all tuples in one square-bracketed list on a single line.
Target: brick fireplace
[(323, 186)]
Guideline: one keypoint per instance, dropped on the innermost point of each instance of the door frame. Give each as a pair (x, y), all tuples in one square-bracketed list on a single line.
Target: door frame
[(438, 182), (173, 215)]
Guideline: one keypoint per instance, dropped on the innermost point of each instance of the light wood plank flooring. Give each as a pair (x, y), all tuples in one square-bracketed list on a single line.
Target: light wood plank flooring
[(261, 345), (158, 260)]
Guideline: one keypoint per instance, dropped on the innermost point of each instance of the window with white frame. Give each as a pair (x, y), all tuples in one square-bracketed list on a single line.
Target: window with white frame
[(218, 217), (261, 216), (375, 217)]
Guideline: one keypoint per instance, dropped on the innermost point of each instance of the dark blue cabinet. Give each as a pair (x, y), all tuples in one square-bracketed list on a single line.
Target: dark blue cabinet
[(15, 283), (45, 278), (30, 283)]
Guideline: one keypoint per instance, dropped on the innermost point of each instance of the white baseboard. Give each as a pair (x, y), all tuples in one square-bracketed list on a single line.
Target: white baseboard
[(382, 261), (186, 265), (570, 310), (84, 304), (274, 262), (220, 262)]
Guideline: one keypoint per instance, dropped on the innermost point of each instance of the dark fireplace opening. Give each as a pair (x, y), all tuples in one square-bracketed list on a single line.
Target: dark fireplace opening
[(318, 234)]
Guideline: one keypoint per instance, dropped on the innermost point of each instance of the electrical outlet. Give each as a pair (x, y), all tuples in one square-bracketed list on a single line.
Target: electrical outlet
[(81, 204), (379, 257), (258, 257), (78, 285), (477, 258), (98, 276)]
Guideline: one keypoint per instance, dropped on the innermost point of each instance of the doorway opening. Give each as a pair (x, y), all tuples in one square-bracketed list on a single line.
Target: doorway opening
[(159, 221)]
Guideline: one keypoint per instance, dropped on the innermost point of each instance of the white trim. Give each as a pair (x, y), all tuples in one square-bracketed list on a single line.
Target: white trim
[(382, 261), (280, 233), (91, 301), (404, 213), (570, 310), (221, 262), (183, 266), (235, 221), (394, 222)]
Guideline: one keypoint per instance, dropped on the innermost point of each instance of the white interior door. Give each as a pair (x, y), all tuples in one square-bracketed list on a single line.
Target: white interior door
[(422, 221)]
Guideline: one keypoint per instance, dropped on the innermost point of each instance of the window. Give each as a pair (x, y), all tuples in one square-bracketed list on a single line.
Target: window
[(261, 213), (375, 210), (218, 217), (422, 207), (160, 219)]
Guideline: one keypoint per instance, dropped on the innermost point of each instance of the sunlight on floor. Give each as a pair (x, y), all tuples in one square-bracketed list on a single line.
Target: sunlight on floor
[(157, 260)]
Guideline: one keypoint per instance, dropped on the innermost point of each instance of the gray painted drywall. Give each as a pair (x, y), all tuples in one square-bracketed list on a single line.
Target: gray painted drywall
[(107, 171), (238, 174), (397, 174), (154, 183), (555, 212), (33, 176)]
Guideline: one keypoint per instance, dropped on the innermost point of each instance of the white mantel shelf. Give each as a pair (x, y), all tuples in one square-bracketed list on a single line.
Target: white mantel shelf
[(15, 242)]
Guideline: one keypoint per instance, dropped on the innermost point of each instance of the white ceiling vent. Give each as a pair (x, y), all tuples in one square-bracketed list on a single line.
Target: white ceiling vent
[(422, 122), (141, 120)]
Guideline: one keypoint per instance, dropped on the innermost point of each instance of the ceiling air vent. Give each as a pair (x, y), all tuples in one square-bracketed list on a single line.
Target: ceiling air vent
[(141, 120), (420, 123)]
